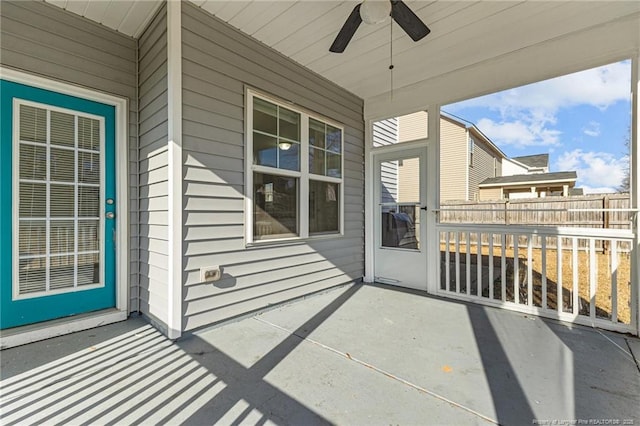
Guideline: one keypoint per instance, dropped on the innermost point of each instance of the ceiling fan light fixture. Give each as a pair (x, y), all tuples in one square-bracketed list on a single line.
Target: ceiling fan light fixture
[(284, 145), (375, 11)]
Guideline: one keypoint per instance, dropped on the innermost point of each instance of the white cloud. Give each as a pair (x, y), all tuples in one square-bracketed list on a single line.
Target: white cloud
[(592, 129), (528, 114), (518, 133), (599, 87), (597, 171)]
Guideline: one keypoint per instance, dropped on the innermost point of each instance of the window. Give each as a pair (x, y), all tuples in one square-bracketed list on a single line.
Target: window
[(495, 167), (471, 147), (295, 172), (60, 173)]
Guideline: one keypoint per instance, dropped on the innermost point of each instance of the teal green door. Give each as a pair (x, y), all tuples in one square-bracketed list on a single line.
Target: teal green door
[(57, 199)]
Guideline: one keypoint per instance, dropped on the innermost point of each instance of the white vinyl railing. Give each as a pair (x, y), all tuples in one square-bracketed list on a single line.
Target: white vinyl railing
[(580, 275)]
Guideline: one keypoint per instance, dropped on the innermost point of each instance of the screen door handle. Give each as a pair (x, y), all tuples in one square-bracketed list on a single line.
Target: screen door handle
[(425, 208)]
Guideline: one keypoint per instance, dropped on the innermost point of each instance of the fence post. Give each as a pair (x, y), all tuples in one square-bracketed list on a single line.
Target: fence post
[(506, 212)]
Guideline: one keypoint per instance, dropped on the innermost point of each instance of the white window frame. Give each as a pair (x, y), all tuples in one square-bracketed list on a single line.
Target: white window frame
[(303, 176), (471, 148), (16, 201)]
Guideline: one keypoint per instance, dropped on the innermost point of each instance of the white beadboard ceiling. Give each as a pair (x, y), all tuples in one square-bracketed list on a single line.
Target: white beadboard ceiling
[(463, 33), (129, 17)]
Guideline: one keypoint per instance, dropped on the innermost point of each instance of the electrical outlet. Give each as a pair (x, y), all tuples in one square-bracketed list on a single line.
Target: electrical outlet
[(210, 273)]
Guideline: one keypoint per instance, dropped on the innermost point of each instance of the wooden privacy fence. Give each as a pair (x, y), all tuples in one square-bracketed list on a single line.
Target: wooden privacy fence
[(602, 211)]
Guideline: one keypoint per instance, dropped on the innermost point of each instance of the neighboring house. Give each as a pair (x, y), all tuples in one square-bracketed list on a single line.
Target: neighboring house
[(528, 177), (467, 156), (473, 168), (528, 186), (537, 163)]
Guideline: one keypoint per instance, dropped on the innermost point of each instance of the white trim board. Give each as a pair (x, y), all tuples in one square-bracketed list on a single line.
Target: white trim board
[(46, 330), (122, 180), (174, 129)]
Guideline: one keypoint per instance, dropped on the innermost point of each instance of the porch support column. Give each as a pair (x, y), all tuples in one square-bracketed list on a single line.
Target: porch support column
[(634, 185), (433, 197), (369, 249), (174, 101)]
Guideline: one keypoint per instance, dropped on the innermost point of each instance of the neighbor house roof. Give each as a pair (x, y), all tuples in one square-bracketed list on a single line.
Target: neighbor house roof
[(537, 160), (538, 178)]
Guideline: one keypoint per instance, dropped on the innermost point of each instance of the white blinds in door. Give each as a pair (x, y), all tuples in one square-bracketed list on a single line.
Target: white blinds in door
[(58, 199)]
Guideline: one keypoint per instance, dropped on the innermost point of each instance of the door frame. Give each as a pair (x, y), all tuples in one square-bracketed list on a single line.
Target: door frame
[(30, 333), (419, 152), (432, 196)]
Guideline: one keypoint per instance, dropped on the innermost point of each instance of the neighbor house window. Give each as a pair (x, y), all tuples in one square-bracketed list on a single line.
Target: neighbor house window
[(471, 147), (295, 172)]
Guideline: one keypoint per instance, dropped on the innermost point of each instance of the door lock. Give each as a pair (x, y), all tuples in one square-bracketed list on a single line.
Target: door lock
[(110, 215), (110, 201)]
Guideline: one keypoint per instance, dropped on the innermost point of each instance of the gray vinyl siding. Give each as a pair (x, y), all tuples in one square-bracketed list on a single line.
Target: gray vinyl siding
[(153, 169), (218, 63), (482, 168), (43, 39), (453, 160), (385, 132)]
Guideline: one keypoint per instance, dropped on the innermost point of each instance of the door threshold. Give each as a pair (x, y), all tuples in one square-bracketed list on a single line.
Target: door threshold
[(18, 336)]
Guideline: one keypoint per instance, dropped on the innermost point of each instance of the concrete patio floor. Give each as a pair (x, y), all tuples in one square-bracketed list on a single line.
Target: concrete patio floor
[(357, 355)]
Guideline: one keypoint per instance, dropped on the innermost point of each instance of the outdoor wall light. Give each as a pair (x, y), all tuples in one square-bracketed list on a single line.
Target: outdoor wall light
[(284, 145)]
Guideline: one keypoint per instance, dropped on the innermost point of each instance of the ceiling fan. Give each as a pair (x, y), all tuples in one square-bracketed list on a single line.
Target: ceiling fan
[(373, 12)]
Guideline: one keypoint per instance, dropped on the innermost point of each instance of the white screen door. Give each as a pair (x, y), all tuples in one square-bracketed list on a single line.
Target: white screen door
[(400, 231)]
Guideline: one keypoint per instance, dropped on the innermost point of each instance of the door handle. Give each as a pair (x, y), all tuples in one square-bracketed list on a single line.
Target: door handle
[(425, 208)]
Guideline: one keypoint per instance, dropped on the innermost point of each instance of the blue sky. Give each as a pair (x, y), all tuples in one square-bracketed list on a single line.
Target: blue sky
[(582, 120)]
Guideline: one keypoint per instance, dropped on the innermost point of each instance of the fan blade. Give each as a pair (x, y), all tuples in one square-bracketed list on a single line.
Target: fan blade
[(347, 31), (409, 21)]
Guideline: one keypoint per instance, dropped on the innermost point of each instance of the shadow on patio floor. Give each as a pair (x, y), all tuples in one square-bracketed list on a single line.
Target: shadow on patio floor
[(358, 355)]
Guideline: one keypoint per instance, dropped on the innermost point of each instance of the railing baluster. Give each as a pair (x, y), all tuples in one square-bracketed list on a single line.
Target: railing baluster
[(447, 255), (544, 272), (516, 271), (574, 253), (479, 266), (468, 263), (592, 278), (457, 262), (559, 298), (491, 235), (614, 281), (503, 265), (529, 270)]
